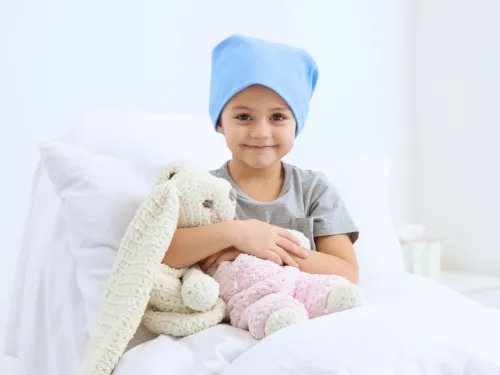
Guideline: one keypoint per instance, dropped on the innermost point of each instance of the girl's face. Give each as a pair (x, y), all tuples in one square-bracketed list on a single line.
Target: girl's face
[(259, 127)]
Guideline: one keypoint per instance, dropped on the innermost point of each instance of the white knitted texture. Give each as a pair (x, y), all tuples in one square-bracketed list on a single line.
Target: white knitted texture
[(199, 290), (343, 297), (179, 199), (167, 312), (282, 318), (166, 291), (131, 280), (183, 324)]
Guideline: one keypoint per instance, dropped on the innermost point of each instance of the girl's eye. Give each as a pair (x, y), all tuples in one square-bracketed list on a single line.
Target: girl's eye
[(243, 117), (277, 117)]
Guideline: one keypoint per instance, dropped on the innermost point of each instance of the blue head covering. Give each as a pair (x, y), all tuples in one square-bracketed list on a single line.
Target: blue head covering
[(239, 62)]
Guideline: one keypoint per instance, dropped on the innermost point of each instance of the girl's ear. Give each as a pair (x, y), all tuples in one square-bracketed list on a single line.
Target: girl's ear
[(219, 129)]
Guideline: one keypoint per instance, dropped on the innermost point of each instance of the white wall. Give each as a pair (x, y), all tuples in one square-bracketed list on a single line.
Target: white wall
[(63, 59), (457, 126)]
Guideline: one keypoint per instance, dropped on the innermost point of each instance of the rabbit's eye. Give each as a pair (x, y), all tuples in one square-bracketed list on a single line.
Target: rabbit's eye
[(208, 203)]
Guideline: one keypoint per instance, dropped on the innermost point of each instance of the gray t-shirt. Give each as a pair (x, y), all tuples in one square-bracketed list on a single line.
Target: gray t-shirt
[(308, 203)]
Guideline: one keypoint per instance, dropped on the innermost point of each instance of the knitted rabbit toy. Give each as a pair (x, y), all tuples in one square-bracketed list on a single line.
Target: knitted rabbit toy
[(182, 302), (263, 297), (167, 300)]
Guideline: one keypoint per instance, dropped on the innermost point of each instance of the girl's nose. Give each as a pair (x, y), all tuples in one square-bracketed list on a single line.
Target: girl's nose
[(261, 130)]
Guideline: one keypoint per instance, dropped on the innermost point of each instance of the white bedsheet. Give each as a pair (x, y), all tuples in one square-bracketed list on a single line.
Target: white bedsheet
[(412, 326)]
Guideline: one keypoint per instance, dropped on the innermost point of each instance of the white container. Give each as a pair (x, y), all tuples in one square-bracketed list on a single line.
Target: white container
[(422, 257), (434, 258)]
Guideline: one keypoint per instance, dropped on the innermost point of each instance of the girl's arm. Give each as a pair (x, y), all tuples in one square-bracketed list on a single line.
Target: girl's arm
[(254, 237), (190, 245), (334, 256)]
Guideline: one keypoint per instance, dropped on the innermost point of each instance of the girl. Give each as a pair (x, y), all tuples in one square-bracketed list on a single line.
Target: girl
[(259, 100)]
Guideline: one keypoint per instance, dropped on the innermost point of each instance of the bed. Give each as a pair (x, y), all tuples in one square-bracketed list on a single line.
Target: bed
[(85, 189)]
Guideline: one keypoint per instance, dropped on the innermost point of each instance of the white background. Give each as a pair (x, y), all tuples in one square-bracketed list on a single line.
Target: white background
[(399, 77), (457, 128)]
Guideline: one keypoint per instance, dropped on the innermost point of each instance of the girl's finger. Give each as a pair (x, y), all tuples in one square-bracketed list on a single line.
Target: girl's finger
[(290, 247), (285, 257), (286, 234), (220, 259), (208, 263), (227, 256), (272, 256)]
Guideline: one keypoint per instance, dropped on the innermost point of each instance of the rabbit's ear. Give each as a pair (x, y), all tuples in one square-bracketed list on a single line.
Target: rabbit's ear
[(170, 171), (142, 249), (179, 165)]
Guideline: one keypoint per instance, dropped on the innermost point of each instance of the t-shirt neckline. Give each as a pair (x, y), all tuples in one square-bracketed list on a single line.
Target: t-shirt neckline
[(242, 194)]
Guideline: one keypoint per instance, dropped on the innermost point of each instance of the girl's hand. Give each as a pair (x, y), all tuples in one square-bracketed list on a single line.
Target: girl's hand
[(222, 256), (267, 241)]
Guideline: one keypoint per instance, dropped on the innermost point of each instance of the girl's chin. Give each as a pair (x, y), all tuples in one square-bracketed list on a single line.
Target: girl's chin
[(259, 163)]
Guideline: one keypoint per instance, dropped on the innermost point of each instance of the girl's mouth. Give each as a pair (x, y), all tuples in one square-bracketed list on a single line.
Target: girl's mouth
[(258, 147)]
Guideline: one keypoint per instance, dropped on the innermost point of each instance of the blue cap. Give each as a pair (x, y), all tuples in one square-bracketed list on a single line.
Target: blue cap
[(239, 62)]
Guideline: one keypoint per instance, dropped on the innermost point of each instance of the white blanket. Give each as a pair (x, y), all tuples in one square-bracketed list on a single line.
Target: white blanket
[(412, 326)]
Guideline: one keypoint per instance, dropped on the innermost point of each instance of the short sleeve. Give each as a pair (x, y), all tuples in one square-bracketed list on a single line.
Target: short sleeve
[(328, 211)]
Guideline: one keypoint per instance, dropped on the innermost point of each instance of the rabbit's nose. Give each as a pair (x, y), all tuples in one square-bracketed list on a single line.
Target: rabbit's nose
[(232, 195)]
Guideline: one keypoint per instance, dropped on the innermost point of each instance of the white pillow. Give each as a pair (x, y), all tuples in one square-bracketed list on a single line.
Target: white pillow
[(363, 185), (99, 196), (143, 142), (150, 139)]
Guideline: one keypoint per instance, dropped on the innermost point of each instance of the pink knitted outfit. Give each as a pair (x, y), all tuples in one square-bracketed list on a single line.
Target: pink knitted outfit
[(254, 288)]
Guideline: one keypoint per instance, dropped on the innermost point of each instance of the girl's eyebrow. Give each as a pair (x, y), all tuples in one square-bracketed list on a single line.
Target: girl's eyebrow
[(239, 107), (242, 107)]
